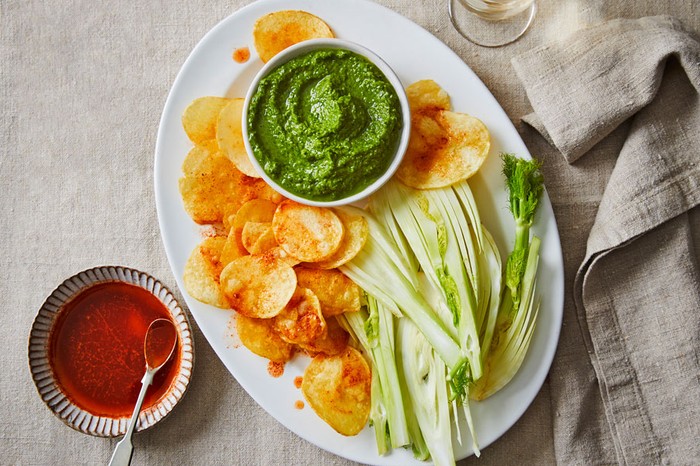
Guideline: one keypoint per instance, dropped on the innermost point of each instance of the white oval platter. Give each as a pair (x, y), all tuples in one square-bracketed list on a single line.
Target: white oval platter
[(414, 54)]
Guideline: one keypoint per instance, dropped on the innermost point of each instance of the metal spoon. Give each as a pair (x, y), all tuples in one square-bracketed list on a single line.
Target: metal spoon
[(158, 347)]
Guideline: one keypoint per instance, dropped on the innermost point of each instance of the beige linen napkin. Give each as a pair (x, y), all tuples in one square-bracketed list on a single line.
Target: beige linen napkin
[(637, 293)]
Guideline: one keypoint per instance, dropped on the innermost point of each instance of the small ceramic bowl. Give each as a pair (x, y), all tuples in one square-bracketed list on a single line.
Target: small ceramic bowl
[(315, 44), (44, 378)]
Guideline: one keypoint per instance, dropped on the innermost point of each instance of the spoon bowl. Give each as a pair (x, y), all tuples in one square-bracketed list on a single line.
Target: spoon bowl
[(159, 344)]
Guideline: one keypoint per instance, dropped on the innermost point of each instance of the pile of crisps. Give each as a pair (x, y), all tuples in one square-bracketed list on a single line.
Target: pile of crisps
[(272, 260), (275, 261)]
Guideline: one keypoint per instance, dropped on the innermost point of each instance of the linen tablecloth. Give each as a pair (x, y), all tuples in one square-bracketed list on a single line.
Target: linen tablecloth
[(637, 291), (82, 86)]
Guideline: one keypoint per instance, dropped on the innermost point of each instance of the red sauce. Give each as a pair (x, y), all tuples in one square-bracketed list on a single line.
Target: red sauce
[(96, 349), (299, 404), (241, 55), (298, 380)]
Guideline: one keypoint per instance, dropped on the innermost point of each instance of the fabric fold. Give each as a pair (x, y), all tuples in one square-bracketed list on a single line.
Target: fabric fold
[(575, 87), (581, 89)]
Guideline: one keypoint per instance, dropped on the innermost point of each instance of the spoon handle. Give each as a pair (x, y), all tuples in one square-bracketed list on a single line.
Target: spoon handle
[(124, 450)]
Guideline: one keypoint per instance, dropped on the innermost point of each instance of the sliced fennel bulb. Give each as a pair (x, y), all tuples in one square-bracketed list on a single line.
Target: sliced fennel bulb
[(436, 227), (446, 320), (426, 384), (376, 269), (513, 332)]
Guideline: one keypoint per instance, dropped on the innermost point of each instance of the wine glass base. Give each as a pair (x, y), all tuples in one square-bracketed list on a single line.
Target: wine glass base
[(490, 33)]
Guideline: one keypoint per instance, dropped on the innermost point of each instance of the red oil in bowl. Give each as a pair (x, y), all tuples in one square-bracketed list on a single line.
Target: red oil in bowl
[(96, 349)]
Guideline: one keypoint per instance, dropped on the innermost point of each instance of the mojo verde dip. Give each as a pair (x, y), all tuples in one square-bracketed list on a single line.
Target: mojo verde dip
[(325, 124)]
